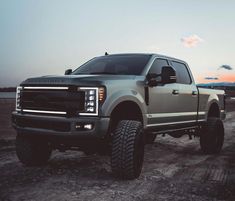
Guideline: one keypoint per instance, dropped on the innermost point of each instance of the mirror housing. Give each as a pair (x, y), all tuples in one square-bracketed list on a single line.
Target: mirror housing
[(151, 76), (168, 75), (151, 79), (68, 71)]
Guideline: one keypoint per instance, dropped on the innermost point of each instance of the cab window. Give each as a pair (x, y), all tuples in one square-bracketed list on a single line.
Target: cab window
[(157, 66), (182, 74)]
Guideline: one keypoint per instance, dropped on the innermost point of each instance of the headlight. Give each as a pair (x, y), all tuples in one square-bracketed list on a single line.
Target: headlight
[(93, 96), (18, 95)]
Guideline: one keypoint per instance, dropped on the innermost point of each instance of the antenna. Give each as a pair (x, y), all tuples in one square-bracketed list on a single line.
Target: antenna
[(106, 53)]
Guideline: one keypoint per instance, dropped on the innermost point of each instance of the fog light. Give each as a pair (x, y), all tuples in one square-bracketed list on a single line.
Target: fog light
[(78, 126), (88, 126), (83, 126)]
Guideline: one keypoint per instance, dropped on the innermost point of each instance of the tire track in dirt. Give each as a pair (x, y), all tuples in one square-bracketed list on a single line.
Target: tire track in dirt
[(174, 169)]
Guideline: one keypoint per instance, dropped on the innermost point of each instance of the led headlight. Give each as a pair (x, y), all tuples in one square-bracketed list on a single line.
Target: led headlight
[(18, 94), (91, 100), (93, 96)]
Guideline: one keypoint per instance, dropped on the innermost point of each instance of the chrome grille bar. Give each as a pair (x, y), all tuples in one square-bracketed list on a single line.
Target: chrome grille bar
[(45, 112), (54, 88)]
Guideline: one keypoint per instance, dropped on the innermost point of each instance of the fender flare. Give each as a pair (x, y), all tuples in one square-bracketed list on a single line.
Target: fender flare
[(121, 96), (209, 105)]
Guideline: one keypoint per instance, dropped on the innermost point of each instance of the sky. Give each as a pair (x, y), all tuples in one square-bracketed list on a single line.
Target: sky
[(42, 37)]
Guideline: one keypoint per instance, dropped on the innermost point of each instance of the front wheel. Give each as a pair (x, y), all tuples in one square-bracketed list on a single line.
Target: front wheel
[(212, 136), (127, 149), (31, 151)]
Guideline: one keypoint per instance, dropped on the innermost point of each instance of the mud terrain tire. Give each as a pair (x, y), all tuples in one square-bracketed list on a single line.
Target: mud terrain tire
[(212, 136), (127, 149), (32, 152)]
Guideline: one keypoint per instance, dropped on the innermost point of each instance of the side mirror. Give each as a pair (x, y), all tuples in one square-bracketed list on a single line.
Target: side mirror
[(168, 75), (152, 79), (68, 71)]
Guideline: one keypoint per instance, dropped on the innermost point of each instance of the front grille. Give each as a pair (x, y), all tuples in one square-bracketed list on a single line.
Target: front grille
[(65, 101)]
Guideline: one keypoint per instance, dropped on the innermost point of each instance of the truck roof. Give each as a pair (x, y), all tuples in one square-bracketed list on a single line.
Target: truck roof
[(148, 54)]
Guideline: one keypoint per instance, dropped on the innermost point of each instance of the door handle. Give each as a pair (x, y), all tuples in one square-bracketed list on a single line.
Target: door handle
[(175, 92), (194, 93)]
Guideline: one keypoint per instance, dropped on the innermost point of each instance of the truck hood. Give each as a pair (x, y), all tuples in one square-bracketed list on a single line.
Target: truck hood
[(78, 80)]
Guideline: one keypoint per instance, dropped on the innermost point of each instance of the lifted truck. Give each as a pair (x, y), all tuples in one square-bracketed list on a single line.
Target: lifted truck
[(115, 104)]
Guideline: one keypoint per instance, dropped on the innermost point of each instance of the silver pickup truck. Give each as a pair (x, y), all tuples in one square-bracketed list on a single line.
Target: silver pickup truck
[(115, 104)]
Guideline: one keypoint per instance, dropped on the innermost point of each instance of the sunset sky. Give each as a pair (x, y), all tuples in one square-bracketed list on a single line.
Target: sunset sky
[(47, 37)]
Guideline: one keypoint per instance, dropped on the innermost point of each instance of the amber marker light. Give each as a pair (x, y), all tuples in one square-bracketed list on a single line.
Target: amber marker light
[(101, 94)]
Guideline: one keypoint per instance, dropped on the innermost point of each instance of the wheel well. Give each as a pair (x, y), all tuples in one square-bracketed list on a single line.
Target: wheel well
[(127, 110), (214, 110)]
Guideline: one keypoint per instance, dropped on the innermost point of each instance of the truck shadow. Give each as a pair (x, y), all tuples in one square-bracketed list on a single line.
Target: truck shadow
[(92, 166), (181, 149)]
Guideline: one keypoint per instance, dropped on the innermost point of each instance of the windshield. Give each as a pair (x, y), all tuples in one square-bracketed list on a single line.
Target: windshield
[(115, 64)]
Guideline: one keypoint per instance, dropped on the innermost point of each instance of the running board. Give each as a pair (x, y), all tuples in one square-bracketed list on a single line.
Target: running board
[(186, 129)]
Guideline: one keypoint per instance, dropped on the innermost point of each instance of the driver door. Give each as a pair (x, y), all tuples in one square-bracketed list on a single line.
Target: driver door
[(163, 99)]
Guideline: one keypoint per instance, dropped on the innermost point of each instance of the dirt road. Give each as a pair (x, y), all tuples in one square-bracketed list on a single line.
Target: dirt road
[(174, 169)]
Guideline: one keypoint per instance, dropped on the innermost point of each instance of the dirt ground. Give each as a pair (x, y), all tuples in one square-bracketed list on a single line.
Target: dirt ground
[(174, 169), (6, 130)]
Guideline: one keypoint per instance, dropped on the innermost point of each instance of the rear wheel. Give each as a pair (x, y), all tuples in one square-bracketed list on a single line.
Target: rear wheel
[(31, 151), (127, 149), (212, 136)]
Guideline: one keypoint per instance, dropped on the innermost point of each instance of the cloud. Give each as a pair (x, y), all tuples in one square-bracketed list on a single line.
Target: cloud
[(191, 41), (211, 78), (226, 67)]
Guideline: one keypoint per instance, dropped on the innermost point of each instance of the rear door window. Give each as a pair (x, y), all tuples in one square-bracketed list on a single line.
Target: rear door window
[(182, 74)]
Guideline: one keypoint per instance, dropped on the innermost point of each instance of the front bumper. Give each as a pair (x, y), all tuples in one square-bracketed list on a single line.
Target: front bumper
[(60, 126)]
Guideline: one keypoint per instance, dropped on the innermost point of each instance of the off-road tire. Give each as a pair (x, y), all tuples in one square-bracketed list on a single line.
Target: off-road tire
[(212, 136), (32, 152), (127, 149)]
